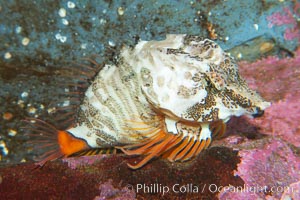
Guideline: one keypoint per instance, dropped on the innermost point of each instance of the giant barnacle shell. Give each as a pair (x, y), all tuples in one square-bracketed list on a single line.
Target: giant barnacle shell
[(164, 98)]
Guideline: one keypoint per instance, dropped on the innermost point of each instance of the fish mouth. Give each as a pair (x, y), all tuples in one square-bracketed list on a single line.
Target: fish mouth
[(259, 113)]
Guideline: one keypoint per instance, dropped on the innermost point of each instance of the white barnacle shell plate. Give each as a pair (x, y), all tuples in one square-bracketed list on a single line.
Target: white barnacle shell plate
[(190, 78)]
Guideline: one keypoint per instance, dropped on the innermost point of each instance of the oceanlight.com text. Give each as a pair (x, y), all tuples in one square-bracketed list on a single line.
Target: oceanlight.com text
[(212, 188)]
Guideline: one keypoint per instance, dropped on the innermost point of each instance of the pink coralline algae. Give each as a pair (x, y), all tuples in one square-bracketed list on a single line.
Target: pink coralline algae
[(108, 191), (269, 171), (282, 120), (278, 81), (293, 192), (287, 17), (77, 162), (270, 165)]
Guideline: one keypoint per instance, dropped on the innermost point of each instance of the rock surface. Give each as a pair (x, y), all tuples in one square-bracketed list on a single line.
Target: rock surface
[(261, 153)]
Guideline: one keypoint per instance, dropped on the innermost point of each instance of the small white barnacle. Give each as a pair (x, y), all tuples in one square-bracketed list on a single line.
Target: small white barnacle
[(160, 99)]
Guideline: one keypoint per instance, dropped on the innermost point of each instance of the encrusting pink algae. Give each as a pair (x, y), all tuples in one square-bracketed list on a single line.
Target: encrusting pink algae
[(281, 84), (287, 17), (270, 167), (267, 171), (108, 191)]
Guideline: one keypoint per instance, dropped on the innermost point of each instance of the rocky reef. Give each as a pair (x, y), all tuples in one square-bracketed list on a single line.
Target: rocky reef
[(257, 158)]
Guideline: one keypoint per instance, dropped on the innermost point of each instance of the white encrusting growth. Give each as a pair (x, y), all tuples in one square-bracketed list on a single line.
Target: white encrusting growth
[(3, 148), (65, 21), (25, 41), (12, 132), (7, 55), (24, 94), (66, 103), (71, 4), (62, 12), (18, 29), (111, 43), (61, 38), (121, 11)]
